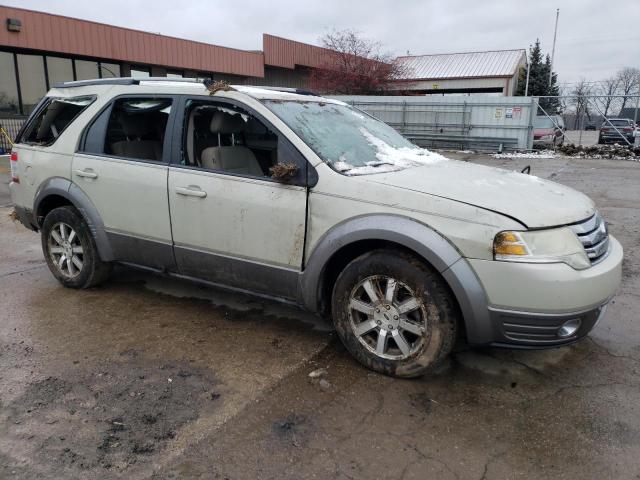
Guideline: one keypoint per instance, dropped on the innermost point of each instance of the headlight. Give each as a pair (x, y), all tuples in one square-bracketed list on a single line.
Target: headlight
[(541, 246)]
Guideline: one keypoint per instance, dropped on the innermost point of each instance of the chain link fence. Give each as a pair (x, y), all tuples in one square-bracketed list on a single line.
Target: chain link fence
[(590, 120), (9, 128)]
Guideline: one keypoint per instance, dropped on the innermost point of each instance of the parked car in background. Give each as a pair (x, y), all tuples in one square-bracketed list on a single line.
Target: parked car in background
[(590, 126), (622, 133), (548, 132), (309, 201)]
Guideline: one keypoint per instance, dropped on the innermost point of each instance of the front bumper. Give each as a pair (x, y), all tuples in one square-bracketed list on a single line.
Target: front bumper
[(617, 138), (528, 303), (540, 330), (546, 142)]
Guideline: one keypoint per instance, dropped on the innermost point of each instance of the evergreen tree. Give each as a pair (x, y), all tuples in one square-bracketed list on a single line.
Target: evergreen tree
[(539, 85), (551, 105)]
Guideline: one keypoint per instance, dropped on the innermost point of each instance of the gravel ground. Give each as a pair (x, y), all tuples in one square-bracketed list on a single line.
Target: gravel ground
[(151, 378)]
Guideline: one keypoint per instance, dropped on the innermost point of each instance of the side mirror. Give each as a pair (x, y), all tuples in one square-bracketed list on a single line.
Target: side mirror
[(284, 172)]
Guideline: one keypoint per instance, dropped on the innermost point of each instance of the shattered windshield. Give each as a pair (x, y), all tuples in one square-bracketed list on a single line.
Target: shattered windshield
[(350, 141)]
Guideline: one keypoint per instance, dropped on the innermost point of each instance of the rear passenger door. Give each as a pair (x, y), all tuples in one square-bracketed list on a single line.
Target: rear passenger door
[(233, 223), (122, 166)]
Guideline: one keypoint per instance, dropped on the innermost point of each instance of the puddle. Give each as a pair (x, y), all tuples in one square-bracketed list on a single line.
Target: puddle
[(220, 298)]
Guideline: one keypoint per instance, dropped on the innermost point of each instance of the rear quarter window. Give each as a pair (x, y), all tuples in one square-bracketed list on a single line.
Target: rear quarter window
[(52, 119)]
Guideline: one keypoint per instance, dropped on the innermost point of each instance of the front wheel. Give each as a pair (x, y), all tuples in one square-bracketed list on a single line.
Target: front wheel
[(394, 313), (70, 250)]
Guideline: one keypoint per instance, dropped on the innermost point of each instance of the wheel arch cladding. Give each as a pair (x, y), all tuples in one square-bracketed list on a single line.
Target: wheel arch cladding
[(356, 236), (49, 195)]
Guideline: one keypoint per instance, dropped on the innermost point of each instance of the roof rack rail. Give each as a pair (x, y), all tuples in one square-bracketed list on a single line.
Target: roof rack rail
[(122, 81), (299, 91), (98, 81), (138, 80)]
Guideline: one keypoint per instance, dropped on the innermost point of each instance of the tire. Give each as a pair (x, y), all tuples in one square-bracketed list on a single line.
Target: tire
[(64, 232), (428, 331)]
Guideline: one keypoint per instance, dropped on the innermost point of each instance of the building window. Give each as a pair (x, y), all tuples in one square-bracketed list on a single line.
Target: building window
[(140, 72), (32, 81), (8, 86), (59, 70), (109, 70), (174, 74), (86, 70)]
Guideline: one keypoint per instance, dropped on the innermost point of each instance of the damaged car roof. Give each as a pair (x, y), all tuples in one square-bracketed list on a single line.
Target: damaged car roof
[(189, 85)]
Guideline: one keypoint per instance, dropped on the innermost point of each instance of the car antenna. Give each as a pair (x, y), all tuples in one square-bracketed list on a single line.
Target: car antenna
[(526, 170)]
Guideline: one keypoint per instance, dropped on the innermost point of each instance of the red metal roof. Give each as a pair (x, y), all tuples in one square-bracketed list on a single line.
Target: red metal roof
[(55, 33)]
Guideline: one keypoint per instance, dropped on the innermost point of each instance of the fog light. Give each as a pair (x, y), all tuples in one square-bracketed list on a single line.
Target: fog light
[(569, 328)]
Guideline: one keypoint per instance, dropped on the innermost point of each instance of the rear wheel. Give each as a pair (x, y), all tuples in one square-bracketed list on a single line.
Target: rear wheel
[(70, 250), (394, 313)]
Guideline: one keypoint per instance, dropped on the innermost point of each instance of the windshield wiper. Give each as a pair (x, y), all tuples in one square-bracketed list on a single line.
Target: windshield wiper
[(377, 164)]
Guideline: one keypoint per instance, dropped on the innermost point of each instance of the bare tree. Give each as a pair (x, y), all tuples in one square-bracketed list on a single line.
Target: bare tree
[(353, 65), (629, 79), (606, 90), (580, 92)]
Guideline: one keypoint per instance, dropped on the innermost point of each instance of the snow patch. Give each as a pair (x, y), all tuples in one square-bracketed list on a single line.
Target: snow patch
[(538, 154), (342, 165), (390, 159), (403, 156), (490, 183)]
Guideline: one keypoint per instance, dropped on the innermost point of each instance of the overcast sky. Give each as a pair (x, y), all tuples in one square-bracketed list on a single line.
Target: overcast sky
[(595, 37)]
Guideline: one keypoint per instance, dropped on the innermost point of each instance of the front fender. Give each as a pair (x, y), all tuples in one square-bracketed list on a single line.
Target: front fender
[(417, 237), (63, 187)]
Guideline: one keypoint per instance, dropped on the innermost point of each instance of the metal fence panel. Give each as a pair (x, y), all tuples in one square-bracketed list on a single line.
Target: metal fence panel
[(480, 122)]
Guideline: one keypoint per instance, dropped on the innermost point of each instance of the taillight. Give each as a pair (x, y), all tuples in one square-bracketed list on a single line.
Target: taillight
[(14, 167), (627, 129)]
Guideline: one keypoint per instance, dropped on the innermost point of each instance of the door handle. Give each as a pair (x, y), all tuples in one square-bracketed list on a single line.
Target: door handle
[(191, 191), (86, 173)]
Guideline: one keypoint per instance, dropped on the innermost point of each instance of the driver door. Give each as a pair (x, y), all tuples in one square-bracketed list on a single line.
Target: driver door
[(232, 223)]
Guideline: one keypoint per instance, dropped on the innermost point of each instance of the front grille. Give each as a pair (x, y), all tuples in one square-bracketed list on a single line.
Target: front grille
[(594, 236)]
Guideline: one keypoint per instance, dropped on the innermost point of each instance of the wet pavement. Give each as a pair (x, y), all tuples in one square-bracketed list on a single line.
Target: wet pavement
[(147, 377)]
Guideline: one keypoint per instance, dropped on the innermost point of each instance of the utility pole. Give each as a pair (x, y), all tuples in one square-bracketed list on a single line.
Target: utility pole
[(553, 50), (526, 86)]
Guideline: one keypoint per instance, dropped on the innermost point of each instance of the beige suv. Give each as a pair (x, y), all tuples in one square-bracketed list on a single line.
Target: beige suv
[(309, 201)]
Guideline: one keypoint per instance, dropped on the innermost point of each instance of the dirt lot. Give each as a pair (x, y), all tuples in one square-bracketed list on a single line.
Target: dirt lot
[(151, 378)]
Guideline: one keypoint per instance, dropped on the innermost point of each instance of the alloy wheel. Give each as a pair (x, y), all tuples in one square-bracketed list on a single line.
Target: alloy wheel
[(387, 317), (65, 249)]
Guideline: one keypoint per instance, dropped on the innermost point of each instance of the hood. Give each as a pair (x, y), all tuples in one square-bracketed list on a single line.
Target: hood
[(534, 202)]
